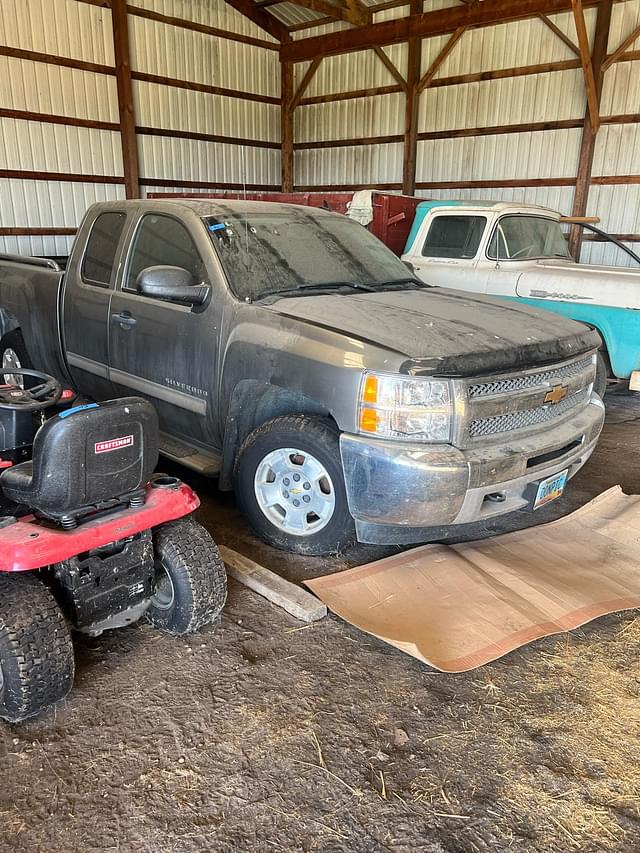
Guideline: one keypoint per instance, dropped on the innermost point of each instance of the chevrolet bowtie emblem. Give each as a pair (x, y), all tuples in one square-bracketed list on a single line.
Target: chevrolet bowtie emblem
[(556, 394)]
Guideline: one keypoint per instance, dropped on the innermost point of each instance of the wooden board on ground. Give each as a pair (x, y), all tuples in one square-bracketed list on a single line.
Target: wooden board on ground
[(296, 601)]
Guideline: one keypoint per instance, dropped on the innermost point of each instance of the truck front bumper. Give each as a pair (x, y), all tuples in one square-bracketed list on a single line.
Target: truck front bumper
[(398, 492)]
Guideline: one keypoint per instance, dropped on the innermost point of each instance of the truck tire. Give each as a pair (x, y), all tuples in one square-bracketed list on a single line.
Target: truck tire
[(36, 652), (602, 372), (190, 576), (13, 353), (290, 486)]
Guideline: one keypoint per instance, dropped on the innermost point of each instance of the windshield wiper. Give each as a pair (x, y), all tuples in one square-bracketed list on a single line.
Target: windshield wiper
[(408, 280), (327, 285)]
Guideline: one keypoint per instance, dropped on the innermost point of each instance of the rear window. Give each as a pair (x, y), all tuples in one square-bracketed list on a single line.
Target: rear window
[(101, 248), (454, 237)]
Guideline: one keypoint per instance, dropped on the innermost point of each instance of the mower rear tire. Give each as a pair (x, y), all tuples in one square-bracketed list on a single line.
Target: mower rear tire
[(36, 652), (190, 576)]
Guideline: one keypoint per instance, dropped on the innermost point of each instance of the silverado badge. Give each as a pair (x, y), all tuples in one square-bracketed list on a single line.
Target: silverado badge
[(556, 394)]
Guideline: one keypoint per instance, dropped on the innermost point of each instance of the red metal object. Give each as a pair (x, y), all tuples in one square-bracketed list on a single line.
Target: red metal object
[(392, 214), (28, 544)]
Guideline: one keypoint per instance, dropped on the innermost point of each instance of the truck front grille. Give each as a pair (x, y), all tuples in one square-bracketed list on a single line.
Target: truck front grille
[(529, 418), (531, 380), (512, 403)]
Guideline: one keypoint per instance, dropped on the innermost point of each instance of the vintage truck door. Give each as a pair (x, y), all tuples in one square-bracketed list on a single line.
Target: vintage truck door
[(165, 350), (88, 288), (446, 249)]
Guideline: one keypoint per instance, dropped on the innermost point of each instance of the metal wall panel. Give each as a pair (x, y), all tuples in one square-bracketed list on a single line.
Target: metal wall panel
[(213, 13), (354, 71), (356, 118), (35, 87), (517, 155), (367, 164), (556, 198), (193, 160), (161, 49), (513, 100), (60, 27)]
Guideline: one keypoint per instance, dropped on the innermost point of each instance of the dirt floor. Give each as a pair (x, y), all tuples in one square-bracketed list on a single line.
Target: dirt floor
[(260, 734)]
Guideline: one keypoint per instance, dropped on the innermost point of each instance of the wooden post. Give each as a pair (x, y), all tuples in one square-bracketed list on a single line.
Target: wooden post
[(588, 142), (286, 120), (125, 98), (412, 109)]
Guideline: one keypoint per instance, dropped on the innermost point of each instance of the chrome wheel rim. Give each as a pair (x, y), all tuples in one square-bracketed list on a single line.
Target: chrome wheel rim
[(294, 491), (10, 360), (165, 594)]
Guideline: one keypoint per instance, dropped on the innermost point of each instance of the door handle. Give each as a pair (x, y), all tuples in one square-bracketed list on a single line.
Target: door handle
[(124, 320)]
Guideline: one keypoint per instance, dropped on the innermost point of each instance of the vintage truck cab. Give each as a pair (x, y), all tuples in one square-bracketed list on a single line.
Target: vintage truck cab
[(519, 251)]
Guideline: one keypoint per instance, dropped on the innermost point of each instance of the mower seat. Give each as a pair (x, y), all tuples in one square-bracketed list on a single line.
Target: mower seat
[(87, 457)]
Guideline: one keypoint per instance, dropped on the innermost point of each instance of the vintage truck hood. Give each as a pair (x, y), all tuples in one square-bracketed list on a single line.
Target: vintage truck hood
[(445, 331), (564, 281)]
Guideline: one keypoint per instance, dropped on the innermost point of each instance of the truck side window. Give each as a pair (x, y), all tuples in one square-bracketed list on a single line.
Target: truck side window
[(163, 240), (454, 237), (101, 248)]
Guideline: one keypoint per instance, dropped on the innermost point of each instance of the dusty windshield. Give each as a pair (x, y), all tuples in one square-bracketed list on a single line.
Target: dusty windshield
[(285, 249), (521, 237)]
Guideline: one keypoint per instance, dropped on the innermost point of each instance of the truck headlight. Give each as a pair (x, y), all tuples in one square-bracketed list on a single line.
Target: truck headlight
[(406, 408)]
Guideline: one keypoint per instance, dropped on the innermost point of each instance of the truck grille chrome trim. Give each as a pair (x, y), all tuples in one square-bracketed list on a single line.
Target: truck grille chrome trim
[(532, 380), (529, 418)]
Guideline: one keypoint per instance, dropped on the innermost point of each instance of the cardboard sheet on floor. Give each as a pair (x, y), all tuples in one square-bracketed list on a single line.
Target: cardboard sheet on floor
[(456, 607)]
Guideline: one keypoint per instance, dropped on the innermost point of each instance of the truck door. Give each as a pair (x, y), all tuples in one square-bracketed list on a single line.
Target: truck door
[(163, 350), (88, 287), (446, 254)]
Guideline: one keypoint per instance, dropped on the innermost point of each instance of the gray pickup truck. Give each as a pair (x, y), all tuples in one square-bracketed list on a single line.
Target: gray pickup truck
[(290, 353)]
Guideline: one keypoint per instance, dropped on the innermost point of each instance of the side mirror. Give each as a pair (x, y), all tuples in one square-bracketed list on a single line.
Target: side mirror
[(173, 283)]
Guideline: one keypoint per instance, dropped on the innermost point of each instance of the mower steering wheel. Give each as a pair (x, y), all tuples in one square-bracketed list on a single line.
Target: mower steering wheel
[(41, 396)]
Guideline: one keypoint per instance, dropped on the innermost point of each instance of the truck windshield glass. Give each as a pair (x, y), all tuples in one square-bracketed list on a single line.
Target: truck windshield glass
[(454, 237), (267, 252), (517, 238)]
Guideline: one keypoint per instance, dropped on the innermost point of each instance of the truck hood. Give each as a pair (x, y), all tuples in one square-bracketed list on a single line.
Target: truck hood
[(565, 281), (444, 331)]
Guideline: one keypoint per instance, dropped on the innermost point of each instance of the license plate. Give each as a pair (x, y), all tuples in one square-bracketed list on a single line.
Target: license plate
[(550, 489)]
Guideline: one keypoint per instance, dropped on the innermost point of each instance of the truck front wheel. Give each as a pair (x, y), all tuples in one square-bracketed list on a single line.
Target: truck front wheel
[(290, 486), (36, 652)]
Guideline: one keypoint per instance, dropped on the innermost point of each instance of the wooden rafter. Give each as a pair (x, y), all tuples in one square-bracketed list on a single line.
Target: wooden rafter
[(617, 53), (263, 19), (423, 25), (562, 36), (352, 12), (430, 73), (391, 68), (587, 65)]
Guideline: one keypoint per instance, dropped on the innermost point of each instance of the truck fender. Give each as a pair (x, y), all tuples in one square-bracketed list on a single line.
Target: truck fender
[(252, 404)]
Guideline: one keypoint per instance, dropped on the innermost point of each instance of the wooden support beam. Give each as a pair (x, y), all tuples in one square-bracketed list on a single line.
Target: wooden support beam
[(125, 98), (422, 25), (304, 85), (391, 68), (562, 36), (353, 13), (587, 64), (617, 53), (263, 19), (588, 141), (431, 72), (412, 109), (286, 126)]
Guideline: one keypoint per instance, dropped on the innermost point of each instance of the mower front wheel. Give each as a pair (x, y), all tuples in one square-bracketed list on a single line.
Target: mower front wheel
[(191, 580), (36, 652)]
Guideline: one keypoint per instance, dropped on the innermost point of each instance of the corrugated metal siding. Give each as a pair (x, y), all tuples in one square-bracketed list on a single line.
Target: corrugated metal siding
[(356, 118), (213, 13), (366, 164)]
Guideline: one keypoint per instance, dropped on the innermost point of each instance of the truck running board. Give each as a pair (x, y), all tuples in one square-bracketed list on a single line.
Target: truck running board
[(207, 464)]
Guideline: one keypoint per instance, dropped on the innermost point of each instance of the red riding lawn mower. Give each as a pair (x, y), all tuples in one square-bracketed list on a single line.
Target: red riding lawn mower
[(90, 539)]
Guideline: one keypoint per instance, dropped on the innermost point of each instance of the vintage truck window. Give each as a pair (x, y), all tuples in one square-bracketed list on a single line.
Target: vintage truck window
[(101, 248), (265, 253), (163, 240), (522, 237), (454, 237)]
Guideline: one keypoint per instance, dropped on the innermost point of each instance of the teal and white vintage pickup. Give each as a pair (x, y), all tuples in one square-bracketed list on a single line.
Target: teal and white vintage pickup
[(519, 251)]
